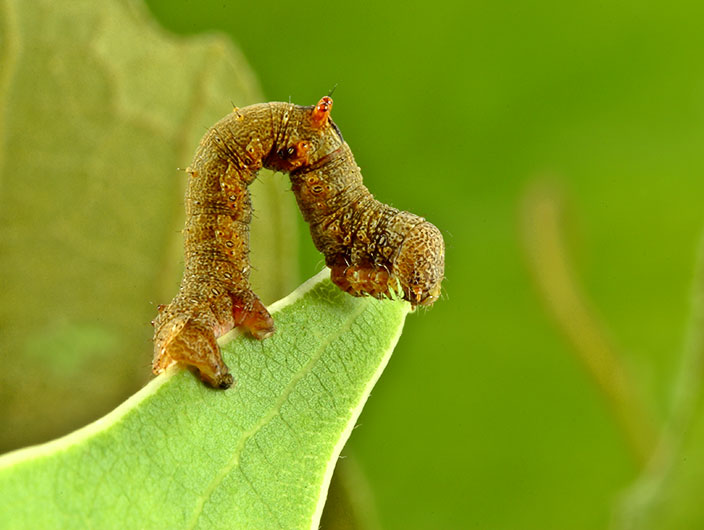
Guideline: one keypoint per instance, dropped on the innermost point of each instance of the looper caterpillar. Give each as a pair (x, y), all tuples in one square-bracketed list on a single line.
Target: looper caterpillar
[(371, 248)]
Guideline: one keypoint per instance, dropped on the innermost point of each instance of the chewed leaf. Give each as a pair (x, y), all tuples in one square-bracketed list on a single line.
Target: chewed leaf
[(180, 455)]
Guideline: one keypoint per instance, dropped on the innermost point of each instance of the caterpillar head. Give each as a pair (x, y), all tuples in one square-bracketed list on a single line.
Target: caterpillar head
[(420, 264)]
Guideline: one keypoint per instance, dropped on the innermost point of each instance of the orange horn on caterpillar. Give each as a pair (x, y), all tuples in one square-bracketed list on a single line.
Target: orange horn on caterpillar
[(321, 112)]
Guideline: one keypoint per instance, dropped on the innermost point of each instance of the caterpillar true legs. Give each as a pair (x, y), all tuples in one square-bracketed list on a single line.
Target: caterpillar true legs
[(371, 248)]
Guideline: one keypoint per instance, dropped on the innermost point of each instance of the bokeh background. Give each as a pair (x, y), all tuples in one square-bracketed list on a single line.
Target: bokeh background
[(485, 418), (559, 148)]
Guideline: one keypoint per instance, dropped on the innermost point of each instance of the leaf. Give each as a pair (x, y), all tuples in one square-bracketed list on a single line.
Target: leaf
[(98, 109), (181, 455)]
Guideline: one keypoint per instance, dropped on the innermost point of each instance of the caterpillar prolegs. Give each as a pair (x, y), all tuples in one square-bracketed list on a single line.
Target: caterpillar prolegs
[(371, 248)]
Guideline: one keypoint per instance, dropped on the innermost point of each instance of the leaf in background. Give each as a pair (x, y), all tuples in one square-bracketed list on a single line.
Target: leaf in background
[(98, 107), (181, 455)]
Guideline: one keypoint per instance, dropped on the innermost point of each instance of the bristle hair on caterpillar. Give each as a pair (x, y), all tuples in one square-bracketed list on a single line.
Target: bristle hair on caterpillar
[(371, 248)]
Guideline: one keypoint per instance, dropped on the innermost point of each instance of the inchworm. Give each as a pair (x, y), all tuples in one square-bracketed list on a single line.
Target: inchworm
[(371, 248)]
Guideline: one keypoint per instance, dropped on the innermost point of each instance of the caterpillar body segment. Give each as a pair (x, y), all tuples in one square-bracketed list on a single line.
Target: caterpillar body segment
[(371, 248)]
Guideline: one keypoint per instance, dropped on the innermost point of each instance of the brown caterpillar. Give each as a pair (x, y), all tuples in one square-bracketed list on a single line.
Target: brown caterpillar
[(371, 248)]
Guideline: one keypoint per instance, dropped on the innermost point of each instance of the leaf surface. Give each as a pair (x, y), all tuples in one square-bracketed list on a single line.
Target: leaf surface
[(181, 455)]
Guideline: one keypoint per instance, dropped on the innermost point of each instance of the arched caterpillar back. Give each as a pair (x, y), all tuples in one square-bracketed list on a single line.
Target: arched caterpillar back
[(371, 248)]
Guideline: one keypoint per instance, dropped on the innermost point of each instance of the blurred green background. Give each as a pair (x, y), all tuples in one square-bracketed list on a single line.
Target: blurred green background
[(485, 417)]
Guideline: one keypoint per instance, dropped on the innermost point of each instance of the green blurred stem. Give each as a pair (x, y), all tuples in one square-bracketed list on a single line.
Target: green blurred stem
[(688, 387), (554, 275), (641, 499)]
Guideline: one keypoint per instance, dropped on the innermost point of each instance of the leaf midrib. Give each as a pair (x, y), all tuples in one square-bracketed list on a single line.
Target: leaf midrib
[(269, 416)]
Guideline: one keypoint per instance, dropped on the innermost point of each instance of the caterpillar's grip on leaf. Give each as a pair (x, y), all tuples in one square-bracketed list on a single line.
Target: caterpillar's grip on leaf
[(371, 248)]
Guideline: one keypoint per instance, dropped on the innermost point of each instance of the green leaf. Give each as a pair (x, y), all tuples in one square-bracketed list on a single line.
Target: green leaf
[(181, 455), (98, 109)]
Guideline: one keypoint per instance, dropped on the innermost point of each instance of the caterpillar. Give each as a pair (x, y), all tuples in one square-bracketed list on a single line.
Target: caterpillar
[(371, 248)]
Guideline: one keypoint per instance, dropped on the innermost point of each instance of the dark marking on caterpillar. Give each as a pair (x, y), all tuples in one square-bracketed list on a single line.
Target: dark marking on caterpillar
[(371, 248)]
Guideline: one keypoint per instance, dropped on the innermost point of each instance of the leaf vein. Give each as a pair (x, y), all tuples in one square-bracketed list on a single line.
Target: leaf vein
[(272, 413)]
